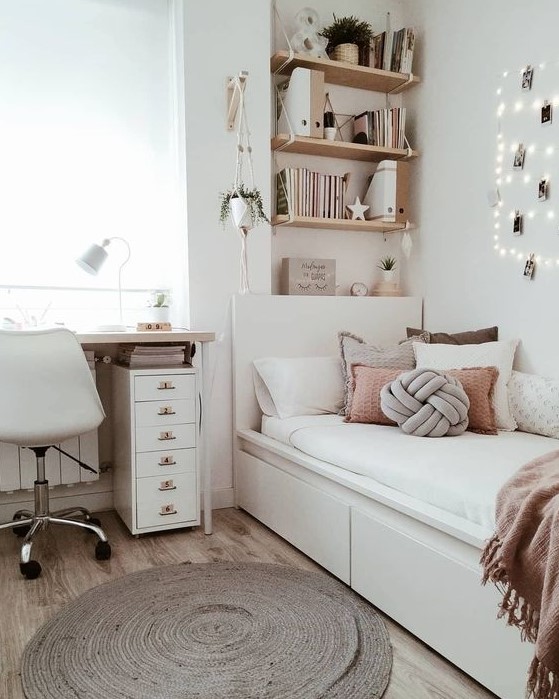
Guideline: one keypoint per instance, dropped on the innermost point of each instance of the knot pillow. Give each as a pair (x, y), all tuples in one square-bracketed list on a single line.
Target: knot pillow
[(426, 403)]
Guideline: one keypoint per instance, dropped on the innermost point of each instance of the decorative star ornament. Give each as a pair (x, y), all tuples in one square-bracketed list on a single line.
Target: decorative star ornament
[(357, 210)]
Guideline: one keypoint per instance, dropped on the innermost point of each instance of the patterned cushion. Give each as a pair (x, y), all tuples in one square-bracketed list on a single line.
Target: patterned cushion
[(534, 401), (479, 384), (426, 403), (354, 350), (468, 337), (498, 354), (367, 383)]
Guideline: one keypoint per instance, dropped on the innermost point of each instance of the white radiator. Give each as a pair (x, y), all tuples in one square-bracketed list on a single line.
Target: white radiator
[(18, 466)]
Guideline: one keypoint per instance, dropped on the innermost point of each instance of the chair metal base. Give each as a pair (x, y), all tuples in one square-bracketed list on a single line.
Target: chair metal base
[(42, 518)]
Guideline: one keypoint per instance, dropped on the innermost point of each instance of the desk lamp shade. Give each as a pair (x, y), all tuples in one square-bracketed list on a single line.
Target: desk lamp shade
[(92, 260)]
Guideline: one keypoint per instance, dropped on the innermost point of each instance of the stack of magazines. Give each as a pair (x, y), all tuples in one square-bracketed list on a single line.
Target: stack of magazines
[(154, 354)]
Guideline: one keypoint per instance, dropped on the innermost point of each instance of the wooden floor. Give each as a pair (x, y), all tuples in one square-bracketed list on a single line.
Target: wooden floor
[(69, 568)]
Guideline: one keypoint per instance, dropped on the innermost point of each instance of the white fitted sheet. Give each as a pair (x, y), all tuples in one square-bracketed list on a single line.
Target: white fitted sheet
[(461, 475)]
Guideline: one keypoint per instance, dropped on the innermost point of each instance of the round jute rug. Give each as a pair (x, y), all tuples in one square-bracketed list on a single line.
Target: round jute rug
[(212, 631)]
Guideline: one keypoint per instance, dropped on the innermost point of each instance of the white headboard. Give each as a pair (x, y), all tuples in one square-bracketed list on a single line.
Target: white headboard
[(296, 326)]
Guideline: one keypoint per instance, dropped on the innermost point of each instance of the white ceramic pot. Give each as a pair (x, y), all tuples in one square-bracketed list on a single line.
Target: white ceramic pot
[(240, 213), (158, 314), (389, 275)]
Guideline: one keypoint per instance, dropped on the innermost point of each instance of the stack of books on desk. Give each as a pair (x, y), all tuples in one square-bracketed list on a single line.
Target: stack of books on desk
[(153, 354)]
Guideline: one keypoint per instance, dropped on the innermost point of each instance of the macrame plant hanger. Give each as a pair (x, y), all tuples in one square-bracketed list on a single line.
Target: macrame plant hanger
[(240, 209)]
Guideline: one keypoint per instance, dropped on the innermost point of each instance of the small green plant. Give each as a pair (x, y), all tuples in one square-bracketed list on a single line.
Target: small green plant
[(160, 299), (347, 30), (253, 199), (387, 264)]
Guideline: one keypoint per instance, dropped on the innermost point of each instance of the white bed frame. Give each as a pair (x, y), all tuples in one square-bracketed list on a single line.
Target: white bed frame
[(417, 563)]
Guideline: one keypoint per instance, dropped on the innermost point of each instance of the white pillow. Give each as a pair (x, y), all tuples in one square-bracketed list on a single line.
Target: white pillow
[(534, 402), (300, 385), (498, 354)]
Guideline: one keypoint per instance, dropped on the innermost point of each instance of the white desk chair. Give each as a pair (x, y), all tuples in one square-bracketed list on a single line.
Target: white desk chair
[(47, 395)]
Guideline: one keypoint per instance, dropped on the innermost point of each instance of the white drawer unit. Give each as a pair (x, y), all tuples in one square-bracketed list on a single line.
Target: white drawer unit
[(156, 428)]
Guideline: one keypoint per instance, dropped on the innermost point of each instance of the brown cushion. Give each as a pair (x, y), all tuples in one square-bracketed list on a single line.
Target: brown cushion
[(367, 383), (468, 337), (479, 385)]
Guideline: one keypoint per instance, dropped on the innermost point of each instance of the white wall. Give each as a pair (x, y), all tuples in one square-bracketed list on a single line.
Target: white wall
[(222, 39), (464, 47)]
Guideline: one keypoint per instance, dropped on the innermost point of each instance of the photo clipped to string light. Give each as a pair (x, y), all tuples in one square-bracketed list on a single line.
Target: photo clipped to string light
[(526, 166)]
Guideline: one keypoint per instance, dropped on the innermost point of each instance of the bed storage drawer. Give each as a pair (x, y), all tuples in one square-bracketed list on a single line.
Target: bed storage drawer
[(439, 601), (314, 522)]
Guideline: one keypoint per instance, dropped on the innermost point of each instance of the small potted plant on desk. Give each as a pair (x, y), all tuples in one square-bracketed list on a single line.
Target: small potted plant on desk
[(349, 39), (159, 306)]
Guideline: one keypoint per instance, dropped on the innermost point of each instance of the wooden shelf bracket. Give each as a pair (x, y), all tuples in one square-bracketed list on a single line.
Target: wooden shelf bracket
[(235, 86)]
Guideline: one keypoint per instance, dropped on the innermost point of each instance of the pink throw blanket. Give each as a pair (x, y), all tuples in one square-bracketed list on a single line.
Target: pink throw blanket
[(522, 559)]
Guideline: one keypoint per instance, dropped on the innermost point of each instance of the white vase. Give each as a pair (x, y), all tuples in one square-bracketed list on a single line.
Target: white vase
[(240, 213), (158, 314), (388, 275)]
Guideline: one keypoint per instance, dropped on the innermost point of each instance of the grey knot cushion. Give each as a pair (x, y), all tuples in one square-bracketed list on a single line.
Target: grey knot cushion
[(426, 403)]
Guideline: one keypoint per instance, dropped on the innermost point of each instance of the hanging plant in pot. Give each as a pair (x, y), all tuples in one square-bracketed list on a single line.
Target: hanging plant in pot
[(345, 36), (242, 203), (245, 209)]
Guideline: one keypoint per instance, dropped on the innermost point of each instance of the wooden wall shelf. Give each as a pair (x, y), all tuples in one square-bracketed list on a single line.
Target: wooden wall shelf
[(339, 149), (338, 224), (338, 73)]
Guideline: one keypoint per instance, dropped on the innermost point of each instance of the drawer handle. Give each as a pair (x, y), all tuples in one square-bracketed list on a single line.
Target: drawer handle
[(170, 487), (167, 461), (167, 510), (165, 436), (166, 386), (166, 410)]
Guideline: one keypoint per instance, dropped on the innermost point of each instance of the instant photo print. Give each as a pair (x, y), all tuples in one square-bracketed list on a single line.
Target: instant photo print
[(542, 189), (547, 112), (530, 267), (517, 223), (527, 75), (518, 162)]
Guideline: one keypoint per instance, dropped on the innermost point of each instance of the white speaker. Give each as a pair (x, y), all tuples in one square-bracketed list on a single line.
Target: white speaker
[(387, 195), (303, 103)]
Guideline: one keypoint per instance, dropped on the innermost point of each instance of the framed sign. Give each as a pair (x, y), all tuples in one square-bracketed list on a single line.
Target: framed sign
[(308, 276)]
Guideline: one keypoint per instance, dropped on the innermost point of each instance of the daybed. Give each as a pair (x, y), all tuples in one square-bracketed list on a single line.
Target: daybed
[(403, 526)]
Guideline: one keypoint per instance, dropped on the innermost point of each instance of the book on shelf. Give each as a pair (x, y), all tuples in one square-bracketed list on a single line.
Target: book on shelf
[(394, 50), (385, 128), (302, 192), (153, 354)]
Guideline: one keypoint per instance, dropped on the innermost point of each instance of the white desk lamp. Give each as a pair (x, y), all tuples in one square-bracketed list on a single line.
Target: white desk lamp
[(92, 260)]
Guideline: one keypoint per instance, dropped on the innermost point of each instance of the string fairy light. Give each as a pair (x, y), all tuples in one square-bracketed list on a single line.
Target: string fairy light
[(509, 111)]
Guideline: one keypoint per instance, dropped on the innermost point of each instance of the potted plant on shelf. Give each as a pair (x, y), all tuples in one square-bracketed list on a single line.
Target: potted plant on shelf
[(388, 266), (345, 37)]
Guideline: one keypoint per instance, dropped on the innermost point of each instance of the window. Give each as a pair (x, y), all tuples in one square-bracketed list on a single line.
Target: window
[(88, 142)]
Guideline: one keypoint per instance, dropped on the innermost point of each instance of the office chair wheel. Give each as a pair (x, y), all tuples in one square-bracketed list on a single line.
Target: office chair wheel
[(22, 529), (103, 551), (31, 569)]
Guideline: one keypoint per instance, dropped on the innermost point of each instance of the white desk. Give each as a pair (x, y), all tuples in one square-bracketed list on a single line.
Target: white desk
[(177, 335)]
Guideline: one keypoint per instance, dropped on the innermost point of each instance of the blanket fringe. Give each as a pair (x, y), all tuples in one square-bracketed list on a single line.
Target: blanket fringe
[(542, 682), (513, 607)]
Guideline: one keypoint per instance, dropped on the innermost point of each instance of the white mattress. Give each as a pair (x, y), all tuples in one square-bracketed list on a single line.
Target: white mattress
[(461, 475)]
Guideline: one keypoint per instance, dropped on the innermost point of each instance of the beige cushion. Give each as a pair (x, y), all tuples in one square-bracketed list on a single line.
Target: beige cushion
[(534, 401), (355, 350), (468, 337), (367, 383), (479, 385)]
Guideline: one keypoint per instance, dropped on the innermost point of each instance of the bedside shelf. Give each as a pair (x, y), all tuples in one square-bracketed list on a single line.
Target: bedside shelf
[(339, 149), (338, 224), (339, 73)]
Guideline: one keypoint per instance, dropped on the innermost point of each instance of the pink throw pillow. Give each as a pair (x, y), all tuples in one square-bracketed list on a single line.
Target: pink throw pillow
[(367, 383), (479, 385)]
